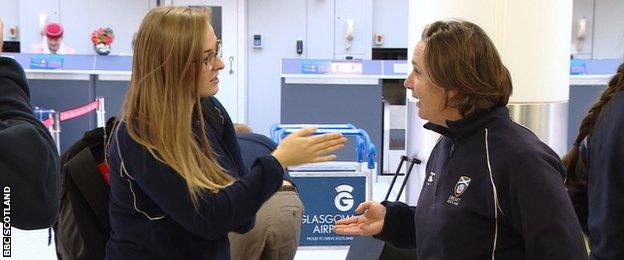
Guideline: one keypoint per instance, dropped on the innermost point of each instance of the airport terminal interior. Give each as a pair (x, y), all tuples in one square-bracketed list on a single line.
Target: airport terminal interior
[(339, 65)]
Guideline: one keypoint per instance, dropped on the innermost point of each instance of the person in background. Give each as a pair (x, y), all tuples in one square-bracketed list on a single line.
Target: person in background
[(596, 172), (29, 166), (178, 182), (493, 190), (278, 222), (53, 43)]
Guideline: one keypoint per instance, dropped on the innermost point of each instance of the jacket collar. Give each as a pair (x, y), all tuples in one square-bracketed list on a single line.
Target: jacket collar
[(468, 125)]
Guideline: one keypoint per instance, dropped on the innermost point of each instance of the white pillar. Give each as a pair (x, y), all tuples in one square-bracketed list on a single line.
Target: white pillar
[(532, 37)]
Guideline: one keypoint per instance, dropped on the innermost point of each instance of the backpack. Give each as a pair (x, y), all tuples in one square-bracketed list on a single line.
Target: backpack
[(83, 226)]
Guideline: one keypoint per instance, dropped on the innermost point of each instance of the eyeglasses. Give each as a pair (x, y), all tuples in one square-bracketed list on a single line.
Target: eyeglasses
[(210, 60)]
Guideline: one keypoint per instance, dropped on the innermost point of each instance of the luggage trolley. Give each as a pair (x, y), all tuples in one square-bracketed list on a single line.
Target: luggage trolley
[(331, 191)]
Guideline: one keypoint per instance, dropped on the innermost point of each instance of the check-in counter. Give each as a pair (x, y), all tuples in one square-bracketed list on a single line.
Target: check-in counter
[(73, 81), (330, 91), (337, 92), (313, 91)]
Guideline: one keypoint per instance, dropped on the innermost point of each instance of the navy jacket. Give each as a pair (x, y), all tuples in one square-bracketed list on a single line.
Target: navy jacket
[(605, 166), (256, 145), (151, 212), (29, 163), (492, 189)]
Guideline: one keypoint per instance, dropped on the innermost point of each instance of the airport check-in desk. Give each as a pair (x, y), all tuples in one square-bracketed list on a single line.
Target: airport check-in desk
[(339, 92), (79, 81), (353, 95), (585, 89), (332, 91)]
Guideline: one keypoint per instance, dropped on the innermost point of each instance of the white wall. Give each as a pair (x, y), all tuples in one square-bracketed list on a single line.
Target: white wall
[(321, 26), (583, 9), (361, 12), (609, 30), (605, 28), (79, 18), (281, 24), (9, 14), (390, 19)]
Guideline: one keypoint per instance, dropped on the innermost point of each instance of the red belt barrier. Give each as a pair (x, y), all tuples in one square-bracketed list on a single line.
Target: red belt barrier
[(73, 113)]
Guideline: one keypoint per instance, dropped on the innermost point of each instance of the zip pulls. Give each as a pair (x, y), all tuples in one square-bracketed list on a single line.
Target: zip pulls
[(451, 151), (443, 172)]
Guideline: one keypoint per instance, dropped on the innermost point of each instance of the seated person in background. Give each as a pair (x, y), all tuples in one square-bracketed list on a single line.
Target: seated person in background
[(54, 41), (29, 167), (278, 222)]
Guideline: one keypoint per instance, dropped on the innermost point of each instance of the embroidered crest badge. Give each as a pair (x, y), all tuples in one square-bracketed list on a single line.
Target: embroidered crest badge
[(461, 185)]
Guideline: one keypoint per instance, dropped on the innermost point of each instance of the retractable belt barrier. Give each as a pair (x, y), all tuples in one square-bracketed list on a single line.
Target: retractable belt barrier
[(54, 118)]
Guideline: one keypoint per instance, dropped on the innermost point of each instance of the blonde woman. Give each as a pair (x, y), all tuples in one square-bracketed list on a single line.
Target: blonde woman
[(178, 183)]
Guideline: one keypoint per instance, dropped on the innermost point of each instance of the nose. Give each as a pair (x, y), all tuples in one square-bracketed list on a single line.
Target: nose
[(407, 83), (218, 64)]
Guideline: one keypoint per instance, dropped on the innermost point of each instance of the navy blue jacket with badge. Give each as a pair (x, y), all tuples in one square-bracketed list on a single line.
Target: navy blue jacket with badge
[(151, 212), (492, 190)]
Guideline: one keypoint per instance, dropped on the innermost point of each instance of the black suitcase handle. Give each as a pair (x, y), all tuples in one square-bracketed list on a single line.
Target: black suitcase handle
[(404, 158)]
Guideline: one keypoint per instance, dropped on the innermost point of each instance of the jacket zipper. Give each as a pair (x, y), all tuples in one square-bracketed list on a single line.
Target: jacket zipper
[(448, 160)]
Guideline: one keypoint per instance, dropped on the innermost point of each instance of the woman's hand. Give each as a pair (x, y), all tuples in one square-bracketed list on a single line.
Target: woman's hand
[(302, 147), (368, 224)]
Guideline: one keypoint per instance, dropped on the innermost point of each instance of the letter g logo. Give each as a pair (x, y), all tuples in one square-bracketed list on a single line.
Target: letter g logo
[(344, 199)]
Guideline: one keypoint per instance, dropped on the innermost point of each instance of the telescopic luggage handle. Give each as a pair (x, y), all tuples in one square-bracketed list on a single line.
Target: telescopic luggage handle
[(404, 158)]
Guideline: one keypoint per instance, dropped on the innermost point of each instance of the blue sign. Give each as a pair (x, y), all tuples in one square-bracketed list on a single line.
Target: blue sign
[(577, 67), (49, 62), (326, 200), (315, 67)]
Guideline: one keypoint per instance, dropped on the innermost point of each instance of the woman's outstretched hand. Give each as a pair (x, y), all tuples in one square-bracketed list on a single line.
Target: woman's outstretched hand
[(302, 147), (368, 224)]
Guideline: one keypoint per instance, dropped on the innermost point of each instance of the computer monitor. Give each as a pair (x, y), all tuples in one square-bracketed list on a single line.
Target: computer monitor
[(11, 46)]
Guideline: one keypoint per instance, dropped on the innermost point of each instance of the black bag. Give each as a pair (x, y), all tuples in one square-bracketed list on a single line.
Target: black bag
[(369, 248), (83, 226)]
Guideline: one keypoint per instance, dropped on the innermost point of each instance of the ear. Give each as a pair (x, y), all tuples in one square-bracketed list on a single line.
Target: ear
[(451, 94), (451, 97)]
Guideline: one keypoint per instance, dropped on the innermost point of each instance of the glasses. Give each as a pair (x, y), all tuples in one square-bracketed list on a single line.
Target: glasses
[(210, 60)]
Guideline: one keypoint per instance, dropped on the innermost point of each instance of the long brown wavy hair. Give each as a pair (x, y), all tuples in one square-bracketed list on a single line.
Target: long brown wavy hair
[(571, 159), (163, 101)]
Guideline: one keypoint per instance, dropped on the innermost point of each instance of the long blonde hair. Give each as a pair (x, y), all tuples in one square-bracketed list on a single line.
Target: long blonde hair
[(163, 99)]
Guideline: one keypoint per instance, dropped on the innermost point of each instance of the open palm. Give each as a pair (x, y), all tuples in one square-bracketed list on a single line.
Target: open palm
[(368, 224)]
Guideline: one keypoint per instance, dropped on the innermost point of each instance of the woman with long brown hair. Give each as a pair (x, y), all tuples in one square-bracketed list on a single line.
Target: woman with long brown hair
[(595, 167), (178, 183)]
